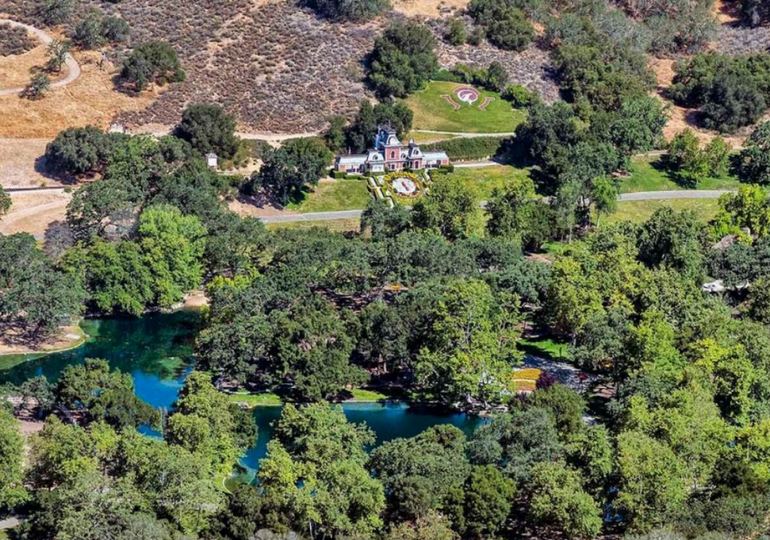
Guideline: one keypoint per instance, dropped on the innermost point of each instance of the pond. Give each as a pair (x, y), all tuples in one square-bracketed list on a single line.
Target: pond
[(157, 350)]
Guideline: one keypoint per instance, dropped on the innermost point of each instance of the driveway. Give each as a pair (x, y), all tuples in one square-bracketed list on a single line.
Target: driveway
[(73, 68)]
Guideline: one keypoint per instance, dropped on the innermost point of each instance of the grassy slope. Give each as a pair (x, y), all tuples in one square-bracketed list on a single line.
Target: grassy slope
[(431, 111), (486, 179), (638, 211), (331, 196), (268, 399), (334, 225), (647, 174)]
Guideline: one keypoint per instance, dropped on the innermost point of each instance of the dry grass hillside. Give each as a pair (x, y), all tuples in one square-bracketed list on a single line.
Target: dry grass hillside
[(90, 100), (277, 67)]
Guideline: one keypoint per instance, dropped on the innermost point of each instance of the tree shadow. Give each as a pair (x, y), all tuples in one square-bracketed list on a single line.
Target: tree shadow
[(661, 165), (41, 167), (57, 239), (261, 199)]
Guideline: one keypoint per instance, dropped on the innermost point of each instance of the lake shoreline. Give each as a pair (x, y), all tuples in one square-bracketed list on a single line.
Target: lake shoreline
[(68, 338), (195, 300)]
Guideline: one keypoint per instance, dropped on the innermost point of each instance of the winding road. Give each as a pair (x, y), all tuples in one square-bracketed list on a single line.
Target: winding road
[(73, 68)]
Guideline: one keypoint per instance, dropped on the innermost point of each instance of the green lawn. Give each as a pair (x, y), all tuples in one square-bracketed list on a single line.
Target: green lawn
[(486, 179), (431, 111), (334, 195), (638, 211), (255, 400), (268, 399), (648, 174), (425, 138), (362, 395), (544, 347)]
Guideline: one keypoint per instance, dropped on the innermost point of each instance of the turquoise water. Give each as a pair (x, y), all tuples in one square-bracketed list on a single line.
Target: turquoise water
[(157, 350), (387, 420)]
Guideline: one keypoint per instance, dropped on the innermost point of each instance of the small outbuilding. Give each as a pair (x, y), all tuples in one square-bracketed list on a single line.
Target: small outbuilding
[(212, 160)]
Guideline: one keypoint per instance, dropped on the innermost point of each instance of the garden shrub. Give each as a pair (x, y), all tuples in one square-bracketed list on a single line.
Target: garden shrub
[(692, 164), (519, 96), (467, 148), (492, 78)]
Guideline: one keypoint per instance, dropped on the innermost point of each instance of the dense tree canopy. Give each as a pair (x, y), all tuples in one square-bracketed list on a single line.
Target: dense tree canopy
[(348, 10), (290, 169), (731, 92), (35, 297), (208, 128), (154, 62), (402, 60)]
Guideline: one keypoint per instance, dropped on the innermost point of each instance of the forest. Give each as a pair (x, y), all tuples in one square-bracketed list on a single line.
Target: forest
[(435, 304)]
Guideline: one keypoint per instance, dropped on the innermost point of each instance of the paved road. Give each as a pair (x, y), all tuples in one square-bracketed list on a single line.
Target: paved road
[(276, 138), (465, 134), (271, 138), (313, 216), (73, 68), (9, 523), (672, 195), (474, 164), (643, 196)]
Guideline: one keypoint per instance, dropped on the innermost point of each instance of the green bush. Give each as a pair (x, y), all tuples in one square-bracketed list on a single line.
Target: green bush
[(492, 78), (403, 59), (469, 148), (152, 62), (506, 24), (455, 32), (347, 10), (520, 97), (731, 92)]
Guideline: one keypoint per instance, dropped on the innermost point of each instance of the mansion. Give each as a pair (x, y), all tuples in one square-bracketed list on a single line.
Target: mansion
[(389, 154)]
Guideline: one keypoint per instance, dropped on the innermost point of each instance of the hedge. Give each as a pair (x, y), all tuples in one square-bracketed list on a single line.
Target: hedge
[(467, 148)]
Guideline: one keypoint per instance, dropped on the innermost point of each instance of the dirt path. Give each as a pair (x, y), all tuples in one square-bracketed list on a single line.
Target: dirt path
[(33, 211), (73, 68)]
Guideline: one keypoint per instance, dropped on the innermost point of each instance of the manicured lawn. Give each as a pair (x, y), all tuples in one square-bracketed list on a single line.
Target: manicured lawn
[(425, 138), (269, 399), (362, 395), (486, 179), (638, 211), (431, 111), (544, 347), (255, 400), (334, 225), (648, 174), (334, 195)]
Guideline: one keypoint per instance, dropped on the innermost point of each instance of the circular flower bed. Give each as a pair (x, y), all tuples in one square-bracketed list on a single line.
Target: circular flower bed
[(466, 94), (404, 186)]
